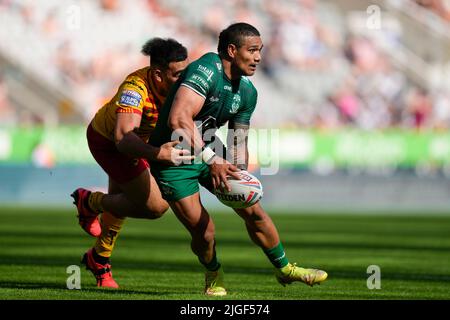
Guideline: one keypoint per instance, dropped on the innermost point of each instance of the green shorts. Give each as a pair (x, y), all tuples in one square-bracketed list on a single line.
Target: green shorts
[(180, 182)]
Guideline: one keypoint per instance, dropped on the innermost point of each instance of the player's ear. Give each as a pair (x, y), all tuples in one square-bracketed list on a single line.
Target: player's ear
[(158, 75), (232, 50)]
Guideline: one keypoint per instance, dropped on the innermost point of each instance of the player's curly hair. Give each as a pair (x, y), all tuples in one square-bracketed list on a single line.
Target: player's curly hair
[(234, 34), (164, 51)]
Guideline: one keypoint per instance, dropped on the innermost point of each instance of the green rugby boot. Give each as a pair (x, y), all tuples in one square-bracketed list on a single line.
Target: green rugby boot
[(291, 273), (214, 283)]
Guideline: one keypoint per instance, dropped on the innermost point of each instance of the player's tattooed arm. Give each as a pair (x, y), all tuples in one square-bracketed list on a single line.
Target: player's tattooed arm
[(237, 141)]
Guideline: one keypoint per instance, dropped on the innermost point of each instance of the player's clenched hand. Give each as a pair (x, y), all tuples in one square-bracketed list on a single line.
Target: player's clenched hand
[(170, 155), (220, 169)]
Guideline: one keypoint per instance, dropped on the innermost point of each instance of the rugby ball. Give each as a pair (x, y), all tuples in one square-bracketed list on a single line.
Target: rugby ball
[(244, 193)]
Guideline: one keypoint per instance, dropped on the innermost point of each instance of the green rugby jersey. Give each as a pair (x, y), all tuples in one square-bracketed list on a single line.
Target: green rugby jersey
[(225, 100)]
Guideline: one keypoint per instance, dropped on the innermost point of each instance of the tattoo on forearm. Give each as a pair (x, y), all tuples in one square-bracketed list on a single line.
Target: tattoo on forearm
[(238, 145)]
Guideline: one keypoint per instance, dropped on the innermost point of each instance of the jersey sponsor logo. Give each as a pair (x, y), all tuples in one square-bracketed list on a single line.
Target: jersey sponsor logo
[(214, 99), (132, 93), (219, 66), (207, 72), (130, 100), (235, 104), (226, 87), (195, 78), (195, 88)]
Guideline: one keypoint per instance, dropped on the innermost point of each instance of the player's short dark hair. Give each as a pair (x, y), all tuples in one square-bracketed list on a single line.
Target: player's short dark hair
[(164, 51), (235, 34)]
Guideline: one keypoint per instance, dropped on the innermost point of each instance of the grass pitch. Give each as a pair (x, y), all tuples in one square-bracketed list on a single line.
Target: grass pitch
[(153, 259)]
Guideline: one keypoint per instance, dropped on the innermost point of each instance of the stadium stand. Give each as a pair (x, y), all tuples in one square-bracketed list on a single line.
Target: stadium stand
[(328, 70)]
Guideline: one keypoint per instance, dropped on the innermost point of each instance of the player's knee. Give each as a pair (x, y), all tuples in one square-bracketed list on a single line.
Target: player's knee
[(208, 235), (204, 235), (253, 213), (205, 238), (255, 216), (156, 211)]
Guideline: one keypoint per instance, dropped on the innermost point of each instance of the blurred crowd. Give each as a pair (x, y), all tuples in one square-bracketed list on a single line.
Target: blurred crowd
[(440, 7), (334, 78), (376, 95)]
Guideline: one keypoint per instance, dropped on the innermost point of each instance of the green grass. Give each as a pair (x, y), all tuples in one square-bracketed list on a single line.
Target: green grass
[(153, 259)]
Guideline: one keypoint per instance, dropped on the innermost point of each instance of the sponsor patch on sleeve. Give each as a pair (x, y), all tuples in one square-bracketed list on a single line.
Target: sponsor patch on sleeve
[(130, 98), (199, 81)]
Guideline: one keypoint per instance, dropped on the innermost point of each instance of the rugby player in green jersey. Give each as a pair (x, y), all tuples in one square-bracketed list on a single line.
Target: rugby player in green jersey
[(212, 91)]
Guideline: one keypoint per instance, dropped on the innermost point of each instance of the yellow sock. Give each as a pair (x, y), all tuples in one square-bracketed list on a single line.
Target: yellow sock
[(111, 227), (95, 201)]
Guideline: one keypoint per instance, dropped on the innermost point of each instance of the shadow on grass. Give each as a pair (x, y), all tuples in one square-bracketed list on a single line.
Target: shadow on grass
[(59, 239), (88, 291), (140, 265)]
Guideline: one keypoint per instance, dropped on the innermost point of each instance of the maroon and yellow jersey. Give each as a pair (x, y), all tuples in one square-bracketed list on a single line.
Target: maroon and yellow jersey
[(135, 95)]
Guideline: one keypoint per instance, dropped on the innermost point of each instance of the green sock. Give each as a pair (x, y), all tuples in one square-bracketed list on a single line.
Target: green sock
[(213, 265), (277, 256)]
